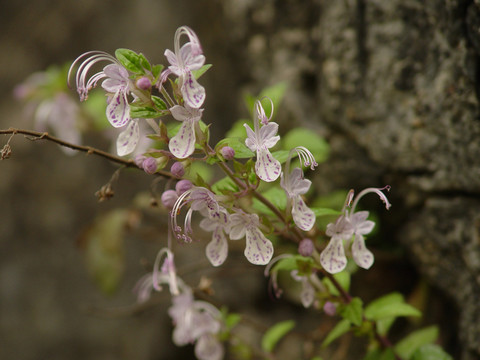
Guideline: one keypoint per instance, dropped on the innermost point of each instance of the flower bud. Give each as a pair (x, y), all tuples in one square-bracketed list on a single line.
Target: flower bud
[(306, 247), (144, 83), (182, 186), (139, 159), (169, 198), (329, 308), (150, 165), (177, 169), (227, 152)]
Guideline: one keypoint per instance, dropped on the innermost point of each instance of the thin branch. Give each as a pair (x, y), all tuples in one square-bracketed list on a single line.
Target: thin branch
[(36, 135)]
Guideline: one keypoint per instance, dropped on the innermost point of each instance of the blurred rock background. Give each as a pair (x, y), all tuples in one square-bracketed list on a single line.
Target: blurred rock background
[(392, 85)]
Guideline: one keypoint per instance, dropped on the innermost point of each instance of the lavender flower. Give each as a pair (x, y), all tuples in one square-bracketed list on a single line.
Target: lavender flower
[(260, 140), (349, 224), (258, 249), (185, 59), (182, 144)]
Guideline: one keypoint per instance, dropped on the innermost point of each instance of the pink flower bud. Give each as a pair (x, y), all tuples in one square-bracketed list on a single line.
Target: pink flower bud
[(139, 159), (150, 165), (144, 83), (169, 198), (177, 169), (227, 152), (182, 186), (329, 308), (306, 247)]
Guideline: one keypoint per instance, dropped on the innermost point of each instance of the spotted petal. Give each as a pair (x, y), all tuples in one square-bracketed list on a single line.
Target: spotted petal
[(217, 248), (267, 167), (303, 216), (128, 139), (259, 249), (361, 255), (193, 93), (333, 257), (182, 144), (118, 110), (209, 348)]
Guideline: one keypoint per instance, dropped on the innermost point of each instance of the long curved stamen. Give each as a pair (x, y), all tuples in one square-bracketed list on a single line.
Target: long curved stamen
[(261, 111), (177, 230), (157, 270), (194, 42), (306, 157), (377, 191), (348, 200)]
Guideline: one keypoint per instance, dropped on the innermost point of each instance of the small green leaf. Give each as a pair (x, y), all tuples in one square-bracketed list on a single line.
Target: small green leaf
[(276, 196), (408, 345), (145, 112), (281, 155), (354, 311), (341, 328), (238, 145), (224, 185), (198, 73), (309, 139), (325, 211), (232, 319), (200, 169), (275, 334), (343, 278), (390, 306), (156, 71), (159, 103), (131, 60), (431, 352)]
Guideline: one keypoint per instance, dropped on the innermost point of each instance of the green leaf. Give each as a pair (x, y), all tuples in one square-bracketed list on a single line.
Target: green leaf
[(325, 211), (354, 311), (276, 196), (309, 139), (104, 249), (281, 155), (132, 61), (145, 112), (225, 185), (343, 278), (341, 328), (232, 319), (156, 71), (390, 306), (159, 103), (431, 352), (200, 169), (275, 334), (238, 130), (408, 345), (275, 93), (198, 73), (237, 144)]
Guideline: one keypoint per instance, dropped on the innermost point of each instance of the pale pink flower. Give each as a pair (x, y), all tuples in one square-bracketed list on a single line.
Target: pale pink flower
[(182, 145)]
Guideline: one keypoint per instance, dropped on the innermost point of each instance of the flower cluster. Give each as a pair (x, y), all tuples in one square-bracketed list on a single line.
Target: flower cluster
[(231, 209)]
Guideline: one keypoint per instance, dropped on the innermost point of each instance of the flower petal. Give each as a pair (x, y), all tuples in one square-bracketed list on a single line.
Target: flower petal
[(302, 215), (217, 248), (193, 93), (267, 134), (267, 167), (118, 110), (209, 348), (193, 62), (307, 295), (128, 139), (298, 184), (182, 145), (333, 257), (258, 250), (361, 255)]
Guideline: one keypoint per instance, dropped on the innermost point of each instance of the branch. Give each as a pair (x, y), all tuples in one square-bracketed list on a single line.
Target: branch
[(36, 135)]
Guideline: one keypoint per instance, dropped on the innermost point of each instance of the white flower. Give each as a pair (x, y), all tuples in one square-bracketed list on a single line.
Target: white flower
[(260, 140), (217, 248), (258, 249), (307, 295), (185, 59), (349, 224), (182, 145)]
